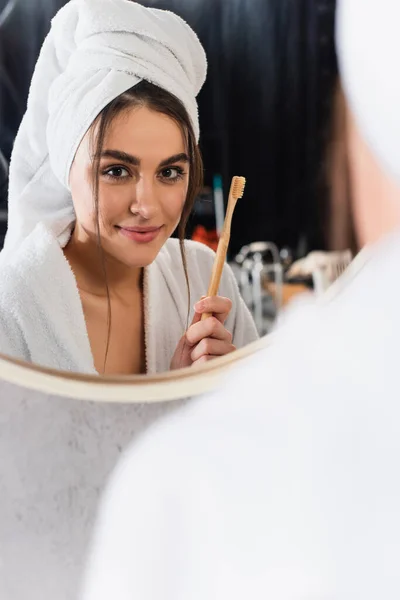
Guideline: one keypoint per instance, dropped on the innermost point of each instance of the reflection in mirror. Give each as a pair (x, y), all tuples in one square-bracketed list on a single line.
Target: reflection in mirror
[(115, 310), (93, 280)]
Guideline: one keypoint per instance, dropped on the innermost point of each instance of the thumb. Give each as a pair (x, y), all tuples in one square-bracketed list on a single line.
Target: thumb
[(197, 316)]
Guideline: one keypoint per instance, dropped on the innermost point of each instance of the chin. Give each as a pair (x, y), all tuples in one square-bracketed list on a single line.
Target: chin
[(137, 257), (133, 254)]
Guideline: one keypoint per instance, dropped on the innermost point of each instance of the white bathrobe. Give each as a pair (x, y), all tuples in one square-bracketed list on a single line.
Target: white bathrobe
[(283, 486), (41, 315)]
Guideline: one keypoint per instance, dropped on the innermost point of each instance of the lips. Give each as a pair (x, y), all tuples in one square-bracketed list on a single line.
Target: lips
[(141, 229), (142, 235)]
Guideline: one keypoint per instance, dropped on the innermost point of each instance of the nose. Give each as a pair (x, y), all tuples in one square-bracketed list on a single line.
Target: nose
[(145, 202)]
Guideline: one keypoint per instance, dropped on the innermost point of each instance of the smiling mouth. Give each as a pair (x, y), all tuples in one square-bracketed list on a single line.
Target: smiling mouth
[(139, 229), (142, 235)]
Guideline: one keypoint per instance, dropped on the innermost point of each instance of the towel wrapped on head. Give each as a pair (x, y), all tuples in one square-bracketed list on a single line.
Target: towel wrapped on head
[(95, 51)]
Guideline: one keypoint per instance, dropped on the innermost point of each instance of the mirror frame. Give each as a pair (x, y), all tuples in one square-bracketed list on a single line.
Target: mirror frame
[(134, 389)]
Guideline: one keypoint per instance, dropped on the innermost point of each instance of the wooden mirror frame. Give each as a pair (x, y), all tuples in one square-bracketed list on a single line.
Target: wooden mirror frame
[(172, 385)]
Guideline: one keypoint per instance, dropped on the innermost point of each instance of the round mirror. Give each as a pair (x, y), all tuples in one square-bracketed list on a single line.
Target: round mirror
[(172, 385)]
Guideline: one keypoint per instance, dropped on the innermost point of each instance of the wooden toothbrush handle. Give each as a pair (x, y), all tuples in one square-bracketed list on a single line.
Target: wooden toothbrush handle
[(236, 191), (218, 267)]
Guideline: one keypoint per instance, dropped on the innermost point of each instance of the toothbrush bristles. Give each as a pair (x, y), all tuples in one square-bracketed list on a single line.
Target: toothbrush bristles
[(238, 187)]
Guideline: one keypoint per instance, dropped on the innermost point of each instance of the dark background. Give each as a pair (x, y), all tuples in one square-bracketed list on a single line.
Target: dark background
[(265, 109)]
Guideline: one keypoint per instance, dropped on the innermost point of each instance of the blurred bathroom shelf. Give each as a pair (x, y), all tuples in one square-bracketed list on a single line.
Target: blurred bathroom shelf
[(290, 291)]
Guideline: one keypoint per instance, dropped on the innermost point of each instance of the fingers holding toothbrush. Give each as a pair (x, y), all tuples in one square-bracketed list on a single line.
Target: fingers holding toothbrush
[(217, 306), (208, 339)]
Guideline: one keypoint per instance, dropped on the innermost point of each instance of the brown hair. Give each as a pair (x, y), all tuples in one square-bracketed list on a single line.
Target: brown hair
[(341, 232), (147, 95)]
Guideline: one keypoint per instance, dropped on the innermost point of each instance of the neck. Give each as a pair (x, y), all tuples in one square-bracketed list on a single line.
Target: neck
[(94, 269), (375, 194)]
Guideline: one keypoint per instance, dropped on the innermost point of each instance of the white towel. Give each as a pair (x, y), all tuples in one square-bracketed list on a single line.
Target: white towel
[(96, 50), (368, 34)]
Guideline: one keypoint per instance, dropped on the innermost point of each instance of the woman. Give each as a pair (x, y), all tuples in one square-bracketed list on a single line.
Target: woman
[(105, 167)]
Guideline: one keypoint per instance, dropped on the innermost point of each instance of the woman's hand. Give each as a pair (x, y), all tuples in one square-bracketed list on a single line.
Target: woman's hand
[(205, 340)]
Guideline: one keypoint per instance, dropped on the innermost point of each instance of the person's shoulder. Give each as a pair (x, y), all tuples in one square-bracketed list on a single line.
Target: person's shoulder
[(195, 252), (14, 275), (22, 269), (199, 250), (35, 247)]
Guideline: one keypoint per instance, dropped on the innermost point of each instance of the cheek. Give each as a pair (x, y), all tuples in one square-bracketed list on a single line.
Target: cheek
[(174, 201), (114, 202), (82, 195)]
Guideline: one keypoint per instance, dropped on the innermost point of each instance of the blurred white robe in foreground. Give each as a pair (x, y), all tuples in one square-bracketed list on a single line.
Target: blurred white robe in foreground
[(286, 486)]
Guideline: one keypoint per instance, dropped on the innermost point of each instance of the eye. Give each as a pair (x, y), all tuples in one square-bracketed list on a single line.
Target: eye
[(172, 174), (116, 173)]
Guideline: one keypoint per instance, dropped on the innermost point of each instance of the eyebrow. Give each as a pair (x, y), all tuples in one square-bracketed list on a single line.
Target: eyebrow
[(133, 160)]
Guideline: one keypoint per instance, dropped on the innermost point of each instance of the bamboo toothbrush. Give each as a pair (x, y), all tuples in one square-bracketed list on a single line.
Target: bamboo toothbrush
[(236, 192)]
